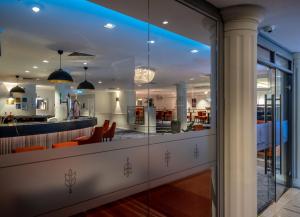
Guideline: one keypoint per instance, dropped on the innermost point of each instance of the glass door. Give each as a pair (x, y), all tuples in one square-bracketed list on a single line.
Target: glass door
[(273, 135), (265, 154), (282, 141)]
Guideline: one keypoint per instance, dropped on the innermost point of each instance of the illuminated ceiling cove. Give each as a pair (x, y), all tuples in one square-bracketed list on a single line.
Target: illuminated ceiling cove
[(118, 43)]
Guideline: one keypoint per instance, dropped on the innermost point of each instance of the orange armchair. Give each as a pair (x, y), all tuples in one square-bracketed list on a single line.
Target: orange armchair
[(95, 138), (110, 133)]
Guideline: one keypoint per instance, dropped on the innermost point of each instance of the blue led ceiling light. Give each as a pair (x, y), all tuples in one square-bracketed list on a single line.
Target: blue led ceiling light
[(118, 19)]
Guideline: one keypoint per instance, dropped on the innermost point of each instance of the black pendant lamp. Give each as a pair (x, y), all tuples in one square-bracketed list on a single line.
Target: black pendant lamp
[(17, 89), (60, 76), (86, 85)]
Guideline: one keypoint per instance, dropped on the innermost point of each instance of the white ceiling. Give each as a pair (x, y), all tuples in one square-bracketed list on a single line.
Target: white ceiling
[(284, 14), (28, 38)]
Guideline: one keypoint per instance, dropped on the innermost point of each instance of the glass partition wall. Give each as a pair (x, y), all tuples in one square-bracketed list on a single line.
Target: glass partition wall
[(153, 65), (274, 92)]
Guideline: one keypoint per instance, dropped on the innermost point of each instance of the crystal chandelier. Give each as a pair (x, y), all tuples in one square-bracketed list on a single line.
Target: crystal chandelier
[(143, 75)]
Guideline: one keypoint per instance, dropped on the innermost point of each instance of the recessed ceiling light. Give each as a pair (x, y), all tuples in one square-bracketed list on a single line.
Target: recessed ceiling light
[(165, 22), (27, 71), (35, 9), (191, 79), (151, 42), (109, 26), (206, 92), (35, 67), (194, 51), (99, 82), (45, 61), (85, 63)]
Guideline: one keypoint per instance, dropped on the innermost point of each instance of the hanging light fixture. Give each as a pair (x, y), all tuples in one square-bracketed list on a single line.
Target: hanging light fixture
[(17, 89), (85, 85), (143, 75), (60, 76)]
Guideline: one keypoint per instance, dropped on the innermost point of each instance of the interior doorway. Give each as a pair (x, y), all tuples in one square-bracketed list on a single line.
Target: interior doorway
[(274, 91)]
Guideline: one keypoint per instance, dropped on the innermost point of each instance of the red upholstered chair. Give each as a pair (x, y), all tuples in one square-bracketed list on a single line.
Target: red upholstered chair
[(65, 144), (159, 116), (201, 117), (105, 125), (95, 138), (31, 148), (110, 133), (198, 127), (168, 116), (139, 115)]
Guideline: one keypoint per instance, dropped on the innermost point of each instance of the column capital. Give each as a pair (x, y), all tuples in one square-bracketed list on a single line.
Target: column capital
[(242, 17)]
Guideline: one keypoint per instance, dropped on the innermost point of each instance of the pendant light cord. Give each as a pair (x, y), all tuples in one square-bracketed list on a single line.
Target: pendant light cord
[(59, 61), (85, 69), (60, 52)]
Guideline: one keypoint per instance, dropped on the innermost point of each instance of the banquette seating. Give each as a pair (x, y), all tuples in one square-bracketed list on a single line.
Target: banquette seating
[(65, 144), (99, 134), (27, 149)]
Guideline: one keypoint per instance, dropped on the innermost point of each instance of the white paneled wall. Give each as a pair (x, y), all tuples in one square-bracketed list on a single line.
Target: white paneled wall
[(61, 182)]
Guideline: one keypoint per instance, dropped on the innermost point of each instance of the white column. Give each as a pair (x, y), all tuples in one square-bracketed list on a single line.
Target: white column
[(240, 58), (61, 94), (181, 103), (296, 149)]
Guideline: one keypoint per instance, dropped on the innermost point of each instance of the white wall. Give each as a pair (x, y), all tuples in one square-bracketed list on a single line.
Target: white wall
[(30, 94), (107, 108), (40, 185), (202, 101), (167, 101), (102, 106)]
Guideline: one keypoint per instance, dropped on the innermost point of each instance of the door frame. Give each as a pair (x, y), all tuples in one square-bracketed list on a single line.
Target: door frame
[(289, 163)]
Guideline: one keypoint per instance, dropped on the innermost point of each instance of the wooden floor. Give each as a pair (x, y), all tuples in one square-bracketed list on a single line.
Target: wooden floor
[(287, 206), (189, 197)]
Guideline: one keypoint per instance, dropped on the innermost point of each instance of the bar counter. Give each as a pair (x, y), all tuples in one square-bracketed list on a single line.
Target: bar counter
[(45, 134), (34, 128)]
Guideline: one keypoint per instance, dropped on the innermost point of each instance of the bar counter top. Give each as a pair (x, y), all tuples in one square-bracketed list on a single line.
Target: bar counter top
[(35, 128)]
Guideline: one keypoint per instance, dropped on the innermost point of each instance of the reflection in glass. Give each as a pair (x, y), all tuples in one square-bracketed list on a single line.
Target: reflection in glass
[(148, 129)]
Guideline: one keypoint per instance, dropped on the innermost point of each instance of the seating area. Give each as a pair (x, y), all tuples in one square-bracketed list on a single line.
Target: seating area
[(139, 115), (162, 116), (202, 117), (98, 134)]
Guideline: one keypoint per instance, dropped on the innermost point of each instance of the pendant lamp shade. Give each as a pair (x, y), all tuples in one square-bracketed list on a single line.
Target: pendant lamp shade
[(60, 76), (86, 85), (17, 89)]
